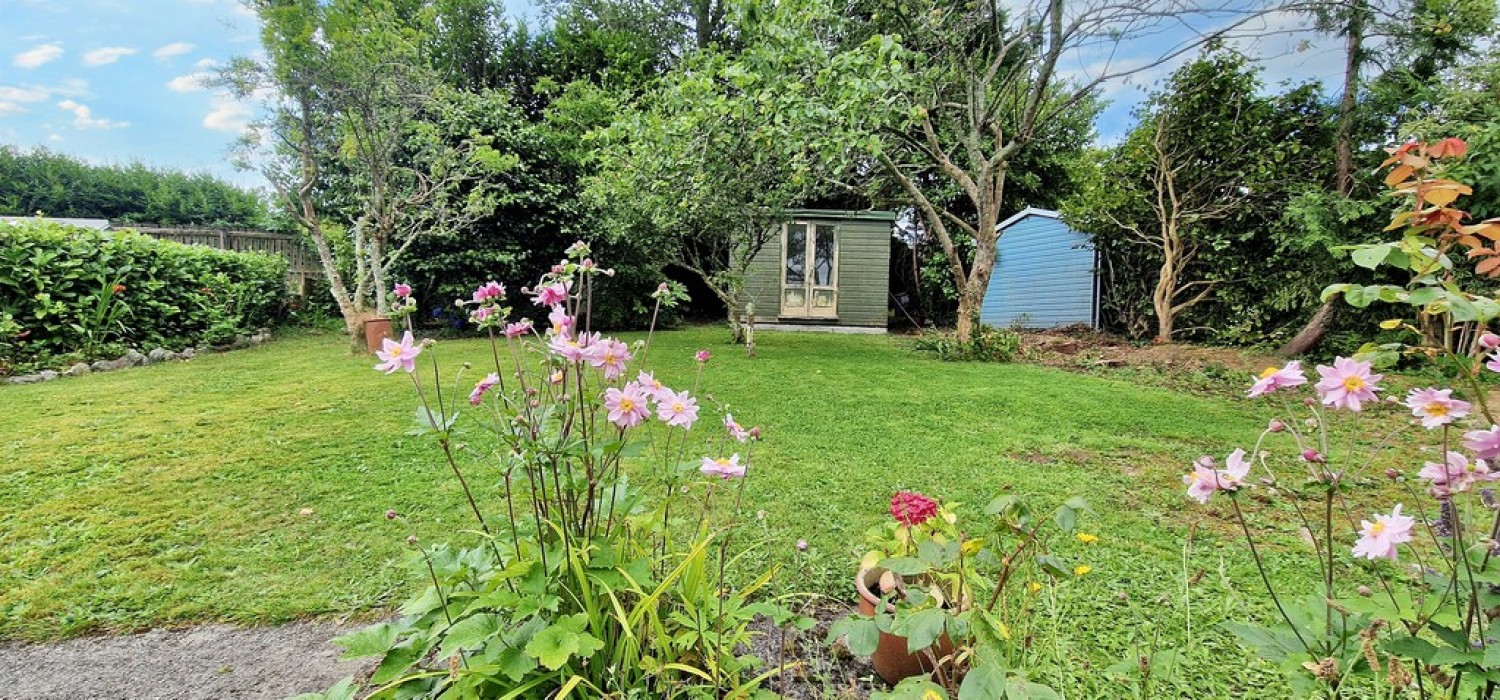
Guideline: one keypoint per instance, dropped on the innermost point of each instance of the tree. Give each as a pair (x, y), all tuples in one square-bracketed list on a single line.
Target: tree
[(941, 98), (696, 172), (350, 135), (1187, 182)]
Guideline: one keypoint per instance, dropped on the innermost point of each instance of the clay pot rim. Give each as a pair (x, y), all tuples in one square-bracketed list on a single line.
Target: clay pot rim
[(872, 573)]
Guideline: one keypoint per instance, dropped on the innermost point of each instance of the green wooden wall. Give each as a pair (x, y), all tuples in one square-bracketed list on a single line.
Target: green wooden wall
[(864, 245)]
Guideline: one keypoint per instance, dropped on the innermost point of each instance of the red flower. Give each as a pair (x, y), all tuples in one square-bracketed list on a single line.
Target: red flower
[(912, 508), (118, 289)]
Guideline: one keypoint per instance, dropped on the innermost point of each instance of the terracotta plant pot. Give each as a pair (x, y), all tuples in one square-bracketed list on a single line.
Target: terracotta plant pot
[(891, 659), (377, 329)]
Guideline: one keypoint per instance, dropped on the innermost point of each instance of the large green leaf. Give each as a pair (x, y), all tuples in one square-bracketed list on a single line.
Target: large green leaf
[(563, 640), (469, 633), (370, 641), (923, 628)]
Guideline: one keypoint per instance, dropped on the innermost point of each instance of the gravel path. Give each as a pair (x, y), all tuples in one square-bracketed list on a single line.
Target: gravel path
[(213, 661)]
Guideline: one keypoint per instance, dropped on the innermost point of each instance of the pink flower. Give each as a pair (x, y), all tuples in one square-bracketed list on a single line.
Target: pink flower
[(487, 291), (735, 430), (561, 321), (483, 386), (652, 386), (1204, 480), (802, 545), (627, 407), (1276, 426), (556, 377), (402, 291), (701, 356), (1378, 540), (911, 508), (1484, 443), (723, 468), (1272, 379), (1347, 383), (677, 409), (1436, 407), (570, 348), (1494, 362), (518, 329), (402, 355), (552, 295), (1457, 473), (1489, 341), (611, 355)]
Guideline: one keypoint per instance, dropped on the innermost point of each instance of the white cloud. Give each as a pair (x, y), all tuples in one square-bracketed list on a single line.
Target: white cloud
[(25, 93), (106, 55), (192, 82), (228, 114), (54, 137), (176, 48), (8, 108), (37, 56), (205, 63), (83, 117)]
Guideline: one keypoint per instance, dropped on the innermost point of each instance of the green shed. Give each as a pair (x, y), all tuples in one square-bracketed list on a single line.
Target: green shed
[(827, 270)]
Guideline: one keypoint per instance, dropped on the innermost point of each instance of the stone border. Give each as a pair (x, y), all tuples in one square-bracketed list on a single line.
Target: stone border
[(133, 358)]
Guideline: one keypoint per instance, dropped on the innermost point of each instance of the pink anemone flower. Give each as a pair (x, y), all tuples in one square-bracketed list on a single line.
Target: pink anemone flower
[(402, 355), (1378, 540), (1347, 384), (1272, 379)]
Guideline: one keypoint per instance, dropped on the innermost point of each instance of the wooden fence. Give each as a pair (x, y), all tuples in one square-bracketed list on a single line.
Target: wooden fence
[(302, 261)]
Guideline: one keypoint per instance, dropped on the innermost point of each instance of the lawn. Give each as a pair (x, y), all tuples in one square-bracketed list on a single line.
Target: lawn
[(250, 487)]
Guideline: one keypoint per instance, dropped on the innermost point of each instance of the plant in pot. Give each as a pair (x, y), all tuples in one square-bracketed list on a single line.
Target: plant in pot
[(946, 603)]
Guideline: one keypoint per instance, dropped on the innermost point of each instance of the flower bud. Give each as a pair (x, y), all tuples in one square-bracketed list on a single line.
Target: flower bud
[(755, 433), (1392, 474), (1489, 341), (701, 356), (411, 540), (428, 342), (1365, 591), (802, 545), (1310, 423), (662, 287), (390, 515), (1309, 402), (1313, 456), (1276, 426)]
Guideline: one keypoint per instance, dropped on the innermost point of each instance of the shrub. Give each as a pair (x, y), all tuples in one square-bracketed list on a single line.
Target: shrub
[(69, 293), (989, 345), (605, 527)]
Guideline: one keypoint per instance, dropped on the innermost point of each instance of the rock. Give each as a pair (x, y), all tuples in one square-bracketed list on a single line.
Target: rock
[(161, 355), (112, 365), (187, 354), (134, 358), (78, 370), (26, 379), (256, 339), (47, 375), (240, 342)]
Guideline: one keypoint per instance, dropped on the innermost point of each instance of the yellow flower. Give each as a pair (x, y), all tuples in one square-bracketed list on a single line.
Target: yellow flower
[(971, 547), (1081, 569), (1033, 586), (1086, 538), (931, 695)]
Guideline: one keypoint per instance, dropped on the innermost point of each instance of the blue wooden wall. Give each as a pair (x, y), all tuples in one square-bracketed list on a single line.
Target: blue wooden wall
[(1044, 275)]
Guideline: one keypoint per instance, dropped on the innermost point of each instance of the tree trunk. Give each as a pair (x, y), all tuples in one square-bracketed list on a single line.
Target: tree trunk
[(1307, 338), (968, 315), (1353, 56)]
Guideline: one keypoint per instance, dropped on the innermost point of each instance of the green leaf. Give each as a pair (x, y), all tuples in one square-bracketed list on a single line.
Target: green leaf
[(923, 628), (469, 633), (862, 634), (1020, 688), (986, 681), (343, 690), (562, 640), (905, 566), (1370, 257), (370, 641)]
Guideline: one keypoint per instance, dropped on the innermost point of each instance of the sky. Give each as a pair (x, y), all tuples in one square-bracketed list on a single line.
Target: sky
[(114, 81)]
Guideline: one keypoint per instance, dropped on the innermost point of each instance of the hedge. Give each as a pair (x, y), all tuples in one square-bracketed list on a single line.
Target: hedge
[(69, 294)]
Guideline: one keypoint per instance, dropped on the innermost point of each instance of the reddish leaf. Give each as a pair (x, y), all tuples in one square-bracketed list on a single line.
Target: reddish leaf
[(1488, 266)]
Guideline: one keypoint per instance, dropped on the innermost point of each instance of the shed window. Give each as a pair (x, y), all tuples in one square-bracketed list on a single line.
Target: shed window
[(810, 270)]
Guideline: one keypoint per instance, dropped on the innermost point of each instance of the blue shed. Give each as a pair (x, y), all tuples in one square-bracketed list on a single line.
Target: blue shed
[(1045, 275)]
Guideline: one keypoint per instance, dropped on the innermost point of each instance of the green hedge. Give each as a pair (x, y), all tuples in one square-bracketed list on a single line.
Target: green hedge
[(69, 294)]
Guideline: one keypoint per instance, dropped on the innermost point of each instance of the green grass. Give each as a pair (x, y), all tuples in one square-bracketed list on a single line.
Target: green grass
[(175, 493)]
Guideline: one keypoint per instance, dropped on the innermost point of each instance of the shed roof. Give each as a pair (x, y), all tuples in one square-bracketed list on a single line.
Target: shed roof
[(867, 214), (1029, 211)]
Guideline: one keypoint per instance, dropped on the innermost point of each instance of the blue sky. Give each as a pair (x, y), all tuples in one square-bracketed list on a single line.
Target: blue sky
[(122, 80)]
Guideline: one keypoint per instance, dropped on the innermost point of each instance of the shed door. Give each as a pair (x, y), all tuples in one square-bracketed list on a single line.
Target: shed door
[(809, 270)]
